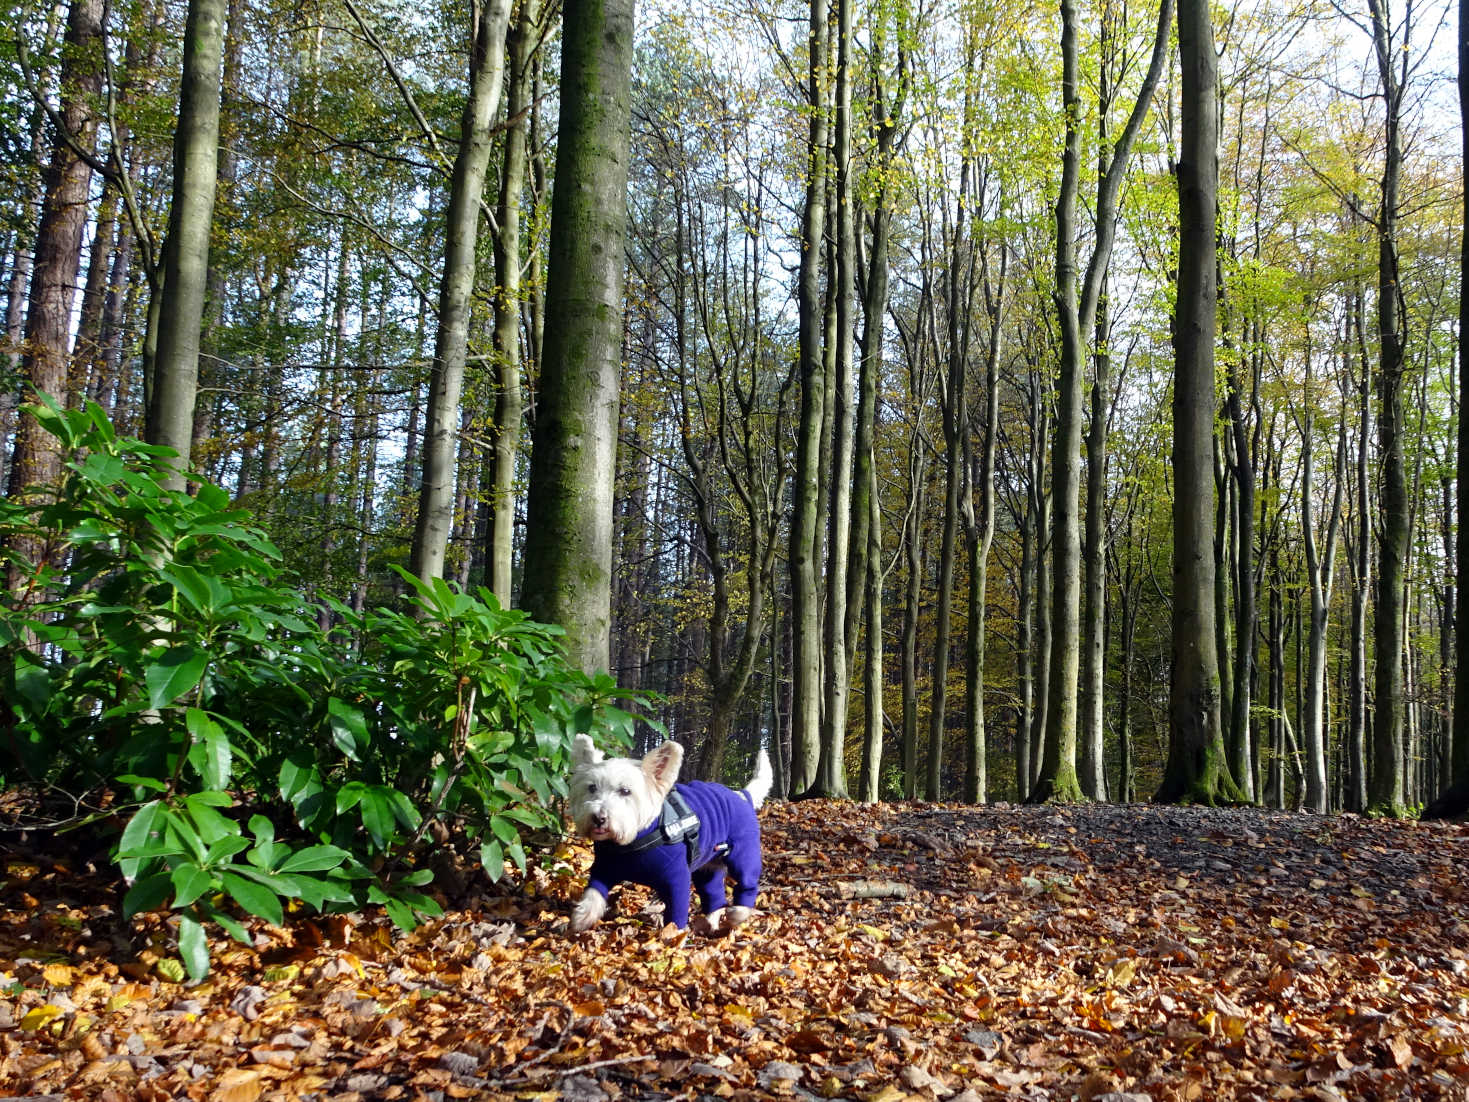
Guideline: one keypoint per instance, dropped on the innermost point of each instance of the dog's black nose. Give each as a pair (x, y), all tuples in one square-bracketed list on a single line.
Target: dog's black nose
[(599, 819)]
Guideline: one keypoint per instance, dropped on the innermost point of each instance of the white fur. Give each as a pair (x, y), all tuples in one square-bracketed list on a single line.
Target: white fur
[(614, 799)]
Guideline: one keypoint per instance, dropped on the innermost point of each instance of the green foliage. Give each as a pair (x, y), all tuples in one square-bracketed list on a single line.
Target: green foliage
[(158, 651)]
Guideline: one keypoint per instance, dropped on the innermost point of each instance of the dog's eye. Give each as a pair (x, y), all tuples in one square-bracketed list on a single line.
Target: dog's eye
[(624, 791), (591, 788)]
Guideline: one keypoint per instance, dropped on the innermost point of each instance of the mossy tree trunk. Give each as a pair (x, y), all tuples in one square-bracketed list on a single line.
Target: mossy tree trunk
[(568, 549), (1196, 770)]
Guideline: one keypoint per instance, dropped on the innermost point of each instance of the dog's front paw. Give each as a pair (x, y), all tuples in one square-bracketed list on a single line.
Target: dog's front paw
[(588, 912), (738, 916)]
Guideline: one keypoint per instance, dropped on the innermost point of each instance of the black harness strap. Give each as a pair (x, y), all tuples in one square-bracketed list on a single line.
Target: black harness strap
[(676, 823)]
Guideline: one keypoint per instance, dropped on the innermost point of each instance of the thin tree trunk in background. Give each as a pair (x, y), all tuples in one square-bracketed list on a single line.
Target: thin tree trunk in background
[(1320, 565), (1091, 689), (212, 367), (446, 383), (1196, 768), (1076, 316), (1360, 559), (805, 517), (915, 562), (568, 550), (831, 779), (86, 360), (186, 253), (979, 535), (1276, 700), (865, 576), (1386, 791), (67, 181), (1458, 774), (1242, 470), (958, 283), (509, 405)]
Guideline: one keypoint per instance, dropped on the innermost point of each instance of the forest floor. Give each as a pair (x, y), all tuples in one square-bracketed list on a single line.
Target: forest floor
[(904, 950)]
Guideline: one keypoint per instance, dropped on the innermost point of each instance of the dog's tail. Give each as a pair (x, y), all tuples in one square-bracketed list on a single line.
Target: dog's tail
[(759, 786)]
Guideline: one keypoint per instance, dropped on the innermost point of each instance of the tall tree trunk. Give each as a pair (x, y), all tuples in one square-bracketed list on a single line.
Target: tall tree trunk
[(979, 533), (805, 518), (568, 551), (461, 226), (1458, 775), (1076, 316), (509, 405), (58, 250), (1237, 740), (865, 574), (831, 772), (186, 252), (1091, 747), (1320, 566), (1196, 770), (1360, 559), (1386, 794)]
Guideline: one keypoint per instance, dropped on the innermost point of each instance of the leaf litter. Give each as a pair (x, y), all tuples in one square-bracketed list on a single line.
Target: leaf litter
[(904, 951)]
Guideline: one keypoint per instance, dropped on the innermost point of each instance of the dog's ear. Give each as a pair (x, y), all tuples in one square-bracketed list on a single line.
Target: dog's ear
[(661, 767), (584, 751)]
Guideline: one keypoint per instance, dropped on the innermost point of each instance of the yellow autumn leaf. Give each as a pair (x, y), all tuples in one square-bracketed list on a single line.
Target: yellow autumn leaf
[(59, 975), (40, 1017), (1120, 973)]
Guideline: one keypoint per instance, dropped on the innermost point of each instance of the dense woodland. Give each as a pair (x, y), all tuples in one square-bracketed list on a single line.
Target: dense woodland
[(905, 441)]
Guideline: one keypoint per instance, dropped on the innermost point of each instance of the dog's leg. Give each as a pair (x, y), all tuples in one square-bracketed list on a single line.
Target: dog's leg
[(739, 915), (589, 911)]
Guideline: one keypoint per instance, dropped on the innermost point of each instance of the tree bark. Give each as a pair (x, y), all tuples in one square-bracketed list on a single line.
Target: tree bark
[(57, 259), (451, 343), (1458, 775), (509, 404), (1076, 316), (186, 251), (840, 623), (1386, 790), (806, 492), (1196, 770), (568, 550)]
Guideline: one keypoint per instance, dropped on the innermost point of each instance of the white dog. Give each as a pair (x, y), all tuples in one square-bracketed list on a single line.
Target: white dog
[(649, 830)]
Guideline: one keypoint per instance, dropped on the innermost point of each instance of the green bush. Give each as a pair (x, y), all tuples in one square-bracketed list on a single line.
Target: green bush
[(160, 657)]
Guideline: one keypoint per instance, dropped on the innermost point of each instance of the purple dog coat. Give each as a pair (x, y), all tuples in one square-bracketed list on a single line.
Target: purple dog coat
[(729, 836)]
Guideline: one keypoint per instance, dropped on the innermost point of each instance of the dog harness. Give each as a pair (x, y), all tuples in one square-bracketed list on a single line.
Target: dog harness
[(676, 823)]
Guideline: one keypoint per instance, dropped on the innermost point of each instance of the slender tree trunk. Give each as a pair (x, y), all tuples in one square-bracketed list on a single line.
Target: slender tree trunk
[(1091, 751), (979, 536), (1076, 315), (805, 519), (1196, 770), (865, 575), (1458, 774), (1386, 792), (1360, 557), (568, 551), (1241, 761), (509, 405), (186, 252), (1319, 569), (66, 182), (839, 623), (915, 563), (461, 222)]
